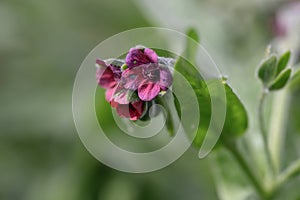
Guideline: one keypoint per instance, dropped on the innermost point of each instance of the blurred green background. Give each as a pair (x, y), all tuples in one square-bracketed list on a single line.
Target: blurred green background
[(42, 44)]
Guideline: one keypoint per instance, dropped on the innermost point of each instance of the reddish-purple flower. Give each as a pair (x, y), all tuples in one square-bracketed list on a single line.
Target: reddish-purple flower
[(148, 79), (142, 81), (108, 77)]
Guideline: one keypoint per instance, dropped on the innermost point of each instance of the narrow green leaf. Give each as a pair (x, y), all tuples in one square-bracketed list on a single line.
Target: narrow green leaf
[(177, 106), (192, 33), (267, 70), (281, 80), (283, 61), (191, 45)]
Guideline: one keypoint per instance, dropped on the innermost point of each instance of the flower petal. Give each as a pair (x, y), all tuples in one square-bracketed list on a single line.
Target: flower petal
[(101, 63), (123, 110), (131, 111), (165, 78), (133, 78), (122, 95), (151, 72), (139, 56), (105, 77), (148, 91), (138, 106), (116, 71), (109, 94), (151, 55), (114, 104)]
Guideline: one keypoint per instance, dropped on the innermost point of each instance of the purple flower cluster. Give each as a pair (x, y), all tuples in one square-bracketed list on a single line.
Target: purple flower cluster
[(139, 80)]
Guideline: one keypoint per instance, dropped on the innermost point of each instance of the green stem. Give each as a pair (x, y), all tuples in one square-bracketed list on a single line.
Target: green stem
[(277, 130), (245, 167), (264, 131), (292, 171)]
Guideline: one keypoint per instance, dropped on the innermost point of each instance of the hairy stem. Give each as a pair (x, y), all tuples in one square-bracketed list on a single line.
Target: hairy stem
[(264, 131), (245, 167), (277, 130), (292, 171)]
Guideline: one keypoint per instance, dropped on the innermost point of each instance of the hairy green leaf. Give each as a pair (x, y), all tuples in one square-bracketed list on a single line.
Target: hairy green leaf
[(267, 70), (188, 71), (236, 121), (236, 116), (281, 80), (283, 61)]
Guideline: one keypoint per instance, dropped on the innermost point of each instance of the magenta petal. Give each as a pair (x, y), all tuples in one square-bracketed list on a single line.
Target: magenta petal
[(134, 57), (165, 78), (105, 77), (109, 94), (138, 56), (151, 55), (148, 91)]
